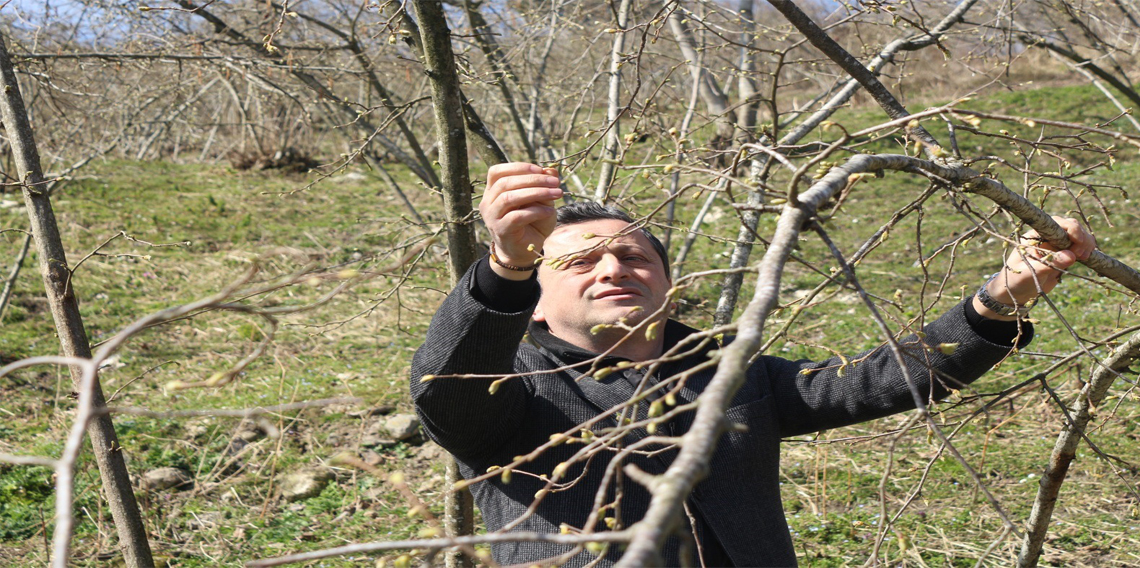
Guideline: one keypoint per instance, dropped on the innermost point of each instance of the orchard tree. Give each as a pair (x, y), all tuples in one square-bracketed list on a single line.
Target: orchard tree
[(747, 133)]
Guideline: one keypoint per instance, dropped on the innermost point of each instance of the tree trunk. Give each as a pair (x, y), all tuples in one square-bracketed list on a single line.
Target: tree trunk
[(614, 110), (711, 93), (68, 322), (485, 143), (450, 123)]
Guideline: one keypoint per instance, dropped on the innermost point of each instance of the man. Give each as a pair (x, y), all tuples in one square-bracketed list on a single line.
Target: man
[(608, 273)]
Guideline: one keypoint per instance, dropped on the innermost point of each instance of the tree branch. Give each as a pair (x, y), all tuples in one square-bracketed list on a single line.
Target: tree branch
[(852, 67), (674, 486), (1065, 449)]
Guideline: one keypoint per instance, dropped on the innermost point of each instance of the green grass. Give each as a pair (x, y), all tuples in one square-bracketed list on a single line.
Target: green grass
[(360, 345), (229, 219)]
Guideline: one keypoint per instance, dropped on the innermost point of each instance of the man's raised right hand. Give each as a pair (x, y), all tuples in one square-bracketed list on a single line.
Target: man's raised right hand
[(518, 209)]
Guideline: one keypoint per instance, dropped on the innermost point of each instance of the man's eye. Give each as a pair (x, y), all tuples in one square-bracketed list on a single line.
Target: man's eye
[(578, 262), (635, 258)]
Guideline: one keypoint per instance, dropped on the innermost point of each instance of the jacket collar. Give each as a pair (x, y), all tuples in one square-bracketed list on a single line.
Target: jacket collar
[(567, 352)]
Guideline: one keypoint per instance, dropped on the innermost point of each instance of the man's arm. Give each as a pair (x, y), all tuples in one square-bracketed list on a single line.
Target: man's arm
[(956, 349), (819, 395), (477, 329), (467, 336)]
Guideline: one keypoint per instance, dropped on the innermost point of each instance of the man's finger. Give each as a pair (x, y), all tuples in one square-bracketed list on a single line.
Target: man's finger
[(499, 171), (510, 192), (1083, 241), (507, 201), (515, 182), (528, 215)]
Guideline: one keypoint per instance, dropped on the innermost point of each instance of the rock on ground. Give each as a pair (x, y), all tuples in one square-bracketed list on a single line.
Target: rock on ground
[(403, 427), (371, 458), (376, 436), (249, 431), (305, 483), (165, 478), (433, 452)]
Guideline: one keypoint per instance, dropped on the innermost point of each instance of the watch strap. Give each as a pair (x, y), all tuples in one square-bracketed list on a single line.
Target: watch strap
[(1000, 308)]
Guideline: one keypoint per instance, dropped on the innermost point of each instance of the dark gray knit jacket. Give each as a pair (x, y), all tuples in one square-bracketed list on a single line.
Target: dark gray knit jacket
[(739, 502)]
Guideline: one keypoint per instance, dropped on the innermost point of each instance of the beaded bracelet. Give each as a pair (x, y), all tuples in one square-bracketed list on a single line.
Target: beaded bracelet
[(495, 259)]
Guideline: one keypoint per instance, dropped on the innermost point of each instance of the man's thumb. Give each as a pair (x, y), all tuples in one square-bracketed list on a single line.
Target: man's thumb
[(1064, 259)]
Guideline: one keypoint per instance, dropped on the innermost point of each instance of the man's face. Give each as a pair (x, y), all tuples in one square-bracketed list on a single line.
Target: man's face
[(599, 285)]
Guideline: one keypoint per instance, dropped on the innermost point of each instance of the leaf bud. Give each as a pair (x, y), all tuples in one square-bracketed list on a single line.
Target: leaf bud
[(651, 331), (656, 409)]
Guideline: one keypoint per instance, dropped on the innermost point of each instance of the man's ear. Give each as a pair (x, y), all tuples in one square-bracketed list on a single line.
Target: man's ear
[(538, 315)]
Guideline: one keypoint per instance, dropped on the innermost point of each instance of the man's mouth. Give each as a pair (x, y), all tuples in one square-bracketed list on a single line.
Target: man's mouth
[(618, 294)]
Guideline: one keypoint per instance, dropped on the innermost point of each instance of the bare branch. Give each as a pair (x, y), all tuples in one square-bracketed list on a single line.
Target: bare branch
[(1065, 450)]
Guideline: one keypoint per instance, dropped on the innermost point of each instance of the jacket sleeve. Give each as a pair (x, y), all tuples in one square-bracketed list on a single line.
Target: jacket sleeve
[(813, 396), (468, 338)]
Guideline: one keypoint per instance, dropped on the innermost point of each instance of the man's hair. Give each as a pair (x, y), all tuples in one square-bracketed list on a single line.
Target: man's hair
[(583, 211)]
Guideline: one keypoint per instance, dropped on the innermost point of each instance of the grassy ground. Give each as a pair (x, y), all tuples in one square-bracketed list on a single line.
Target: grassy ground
[(360, 345)]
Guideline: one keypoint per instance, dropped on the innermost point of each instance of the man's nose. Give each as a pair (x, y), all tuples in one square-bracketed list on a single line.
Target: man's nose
[(611, 268)]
